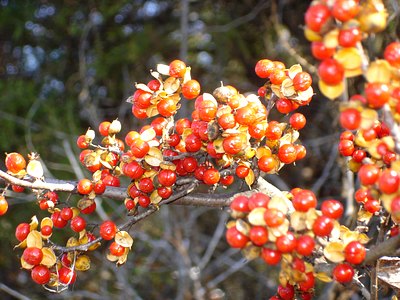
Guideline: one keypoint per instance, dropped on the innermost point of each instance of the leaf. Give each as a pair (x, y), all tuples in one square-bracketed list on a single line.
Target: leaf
[(368, 118), (349, 58), (379, 71), (287, 88), (122, 259), (256, 216), (167, 165), (243, 227), (34, 239), (72, 242), (25, 265), (163, 69), (330, 39), (294, 70), (334, 251), (331, 91), (82, 263), (49, 258), (279, 230), (154, 157), (250, 178), (34, 169), (148, 134), (171, 85), (33, 224), (364, 216), (111, 257), (278, 203), (155, 198), (152, 111), (323, 277), (124, 239), (143, 87), (187, 75), (298, 220), (251, 252)]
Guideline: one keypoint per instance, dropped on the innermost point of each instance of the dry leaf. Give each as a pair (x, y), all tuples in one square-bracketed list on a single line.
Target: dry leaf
[(243, 227), (163, 69), (82, 263), (250, 178), (256, 216), (49, 258), (334, 251), (331, 91), (34, 239), (124, 239)]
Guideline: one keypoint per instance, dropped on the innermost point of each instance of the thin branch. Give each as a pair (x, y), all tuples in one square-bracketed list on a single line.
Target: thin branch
[(387, 248), (258, 8), (13, 293)]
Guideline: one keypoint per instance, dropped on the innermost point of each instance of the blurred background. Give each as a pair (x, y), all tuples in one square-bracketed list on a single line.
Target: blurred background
[(68, 65)]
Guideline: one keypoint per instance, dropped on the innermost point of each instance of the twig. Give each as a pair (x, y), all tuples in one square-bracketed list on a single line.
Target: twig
[(386, 248), (11, 292)]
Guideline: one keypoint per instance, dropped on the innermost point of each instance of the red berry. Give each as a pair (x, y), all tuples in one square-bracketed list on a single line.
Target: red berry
[(66, 275), (240, 203), (368, 174), (3, 205), (85, 186), (258, 200), (331, 71), (377, 94), (58, 221), (66, 213), (343, 273), (346, 147), (392, 54), (104, 127), (354, 253), (322, 226), (302, 81), (177, 68), (22, 231), (264, 68), (274, 217), (116, 249), (305, 245), (304, 200), (297, 121), (286, 243), (287, 153), (211, 176), (350, 119), (46, 230), (271, 256), (320, 51), (40, 274), (32, 255), (235, 238), (15, 162), (108, 230), (317, 16), (287, 292), (78, 224), (344, 10), (191, 89), (389, 181), (258, 235), (166, 177), (332, 209)]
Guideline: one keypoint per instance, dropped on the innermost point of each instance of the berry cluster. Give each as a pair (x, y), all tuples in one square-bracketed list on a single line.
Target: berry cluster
[(228, 137), (289, 230), (335, 30)]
